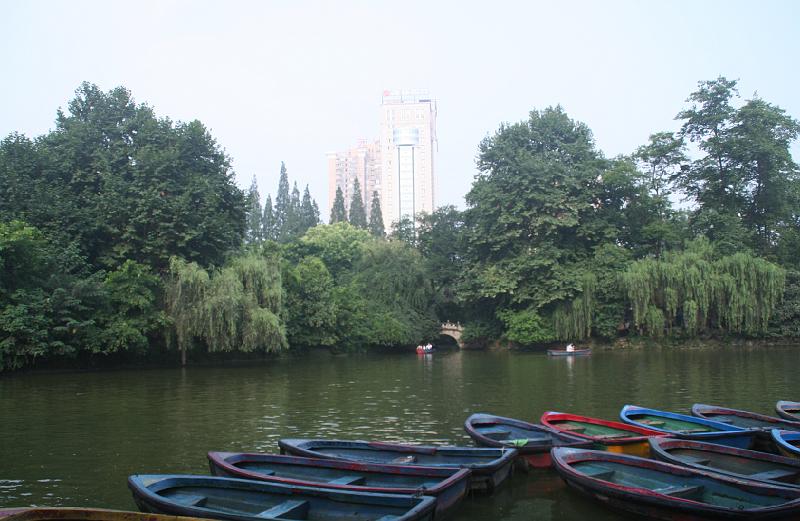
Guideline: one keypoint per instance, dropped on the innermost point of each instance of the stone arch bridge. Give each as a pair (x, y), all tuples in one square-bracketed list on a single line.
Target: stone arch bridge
[(453, 330)]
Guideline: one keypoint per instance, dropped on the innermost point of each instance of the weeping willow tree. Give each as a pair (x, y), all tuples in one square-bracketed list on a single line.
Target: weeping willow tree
[(235, 308), (689, 292), (573, 320)]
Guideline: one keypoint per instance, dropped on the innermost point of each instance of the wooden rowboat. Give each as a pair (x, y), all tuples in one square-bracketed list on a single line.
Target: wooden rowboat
[(490, 467), (604, 435), (788, 442), (746, 420), (82, 514), (247, 500), (788, 410), (743, 419), (564, 352), (650, 488), (533, 442), (447, 485), (770, 469), (688, 427)]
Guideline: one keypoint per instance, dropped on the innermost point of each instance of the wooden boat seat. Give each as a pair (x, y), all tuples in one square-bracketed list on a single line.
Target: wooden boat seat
[(653, 423), (289, 509), (348, 480), (679, 491), (599, 473), (776, 474), (404, 459), (612, 435), (697, 460), (194, 500), (496, 433), (572, 428), (693, 431)]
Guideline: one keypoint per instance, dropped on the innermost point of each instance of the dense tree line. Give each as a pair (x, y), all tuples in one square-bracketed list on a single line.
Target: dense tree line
[(124, 232)]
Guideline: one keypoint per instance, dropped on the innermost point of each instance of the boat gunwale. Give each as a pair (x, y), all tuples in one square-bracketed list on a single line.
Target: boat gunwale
[(779, 408), (778, 437)]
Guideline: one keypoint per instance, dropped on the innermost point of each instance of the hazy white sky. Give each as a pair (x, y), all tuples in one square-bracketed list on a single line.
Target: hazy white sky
[(291, 80)]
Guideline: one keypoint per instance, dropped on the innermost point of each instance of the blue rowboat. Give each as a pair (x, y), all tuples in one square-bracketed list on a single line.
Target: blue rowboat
[(490, 467), (751, 465), (788, 442), (447, 485), (247, 500), (788, 410), (532, 441), (688, 427), (650, 488)]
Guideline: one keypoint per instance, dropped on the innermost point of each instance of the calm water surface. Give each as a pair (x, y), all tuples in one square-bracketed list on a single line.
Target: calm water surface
[(72, 439)]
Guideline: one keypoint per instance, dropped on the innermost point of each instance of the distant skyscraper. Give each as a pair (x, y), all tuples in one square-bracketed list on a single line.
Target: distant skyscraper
[(408, 146), (361, 162), (399, 165)]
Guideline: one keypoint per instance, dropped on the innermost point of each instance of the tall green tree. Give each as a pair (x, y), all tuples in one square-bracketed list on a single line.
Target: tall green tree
[(294, 222), (375, 226), (268, 221), (357, 215), (338, 213), (254, 216), (761, 137), (121, 183), (283, 207), (309, 212), (714, 180), (537, 187)]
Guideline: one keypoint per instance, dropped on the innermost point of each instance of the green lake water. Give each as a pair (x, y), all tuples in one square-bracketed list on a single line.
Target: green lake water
[(72, 439)]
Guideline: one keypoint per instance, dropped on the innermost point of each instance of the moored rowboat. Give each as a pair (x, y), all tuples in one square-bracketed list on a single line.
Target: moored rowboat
[(82, 514), (770, 469), (247, 500), (448, 485), (688, 427), (489, 467), (605, 435), (660, 490), (788, 410), (533, 442), (743, 419), (788, 442)]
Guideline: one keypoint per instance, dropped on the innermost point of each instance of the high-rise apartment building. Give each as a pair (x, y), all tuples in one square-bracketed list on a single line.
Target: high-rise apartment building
[(408, 147), (361, 162), (399, 165)]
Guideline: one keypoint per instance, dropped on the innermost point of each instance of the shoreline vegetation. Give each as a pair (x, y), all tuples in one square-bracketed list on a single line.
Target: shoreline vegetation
[(124, 238)]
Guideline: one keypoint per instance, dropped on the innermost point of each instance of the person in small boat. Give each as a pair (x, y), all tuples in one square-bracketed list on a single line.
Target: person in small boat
[(570, 347)]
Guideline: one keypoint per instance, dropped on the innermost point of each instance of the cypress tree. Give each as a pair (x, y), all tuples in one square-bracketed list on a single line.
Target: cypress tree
[(293, 223), (268, 221), (309, 213), (282, 205), (338, 213), (357, 215), (376, 217), (254, 230)]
